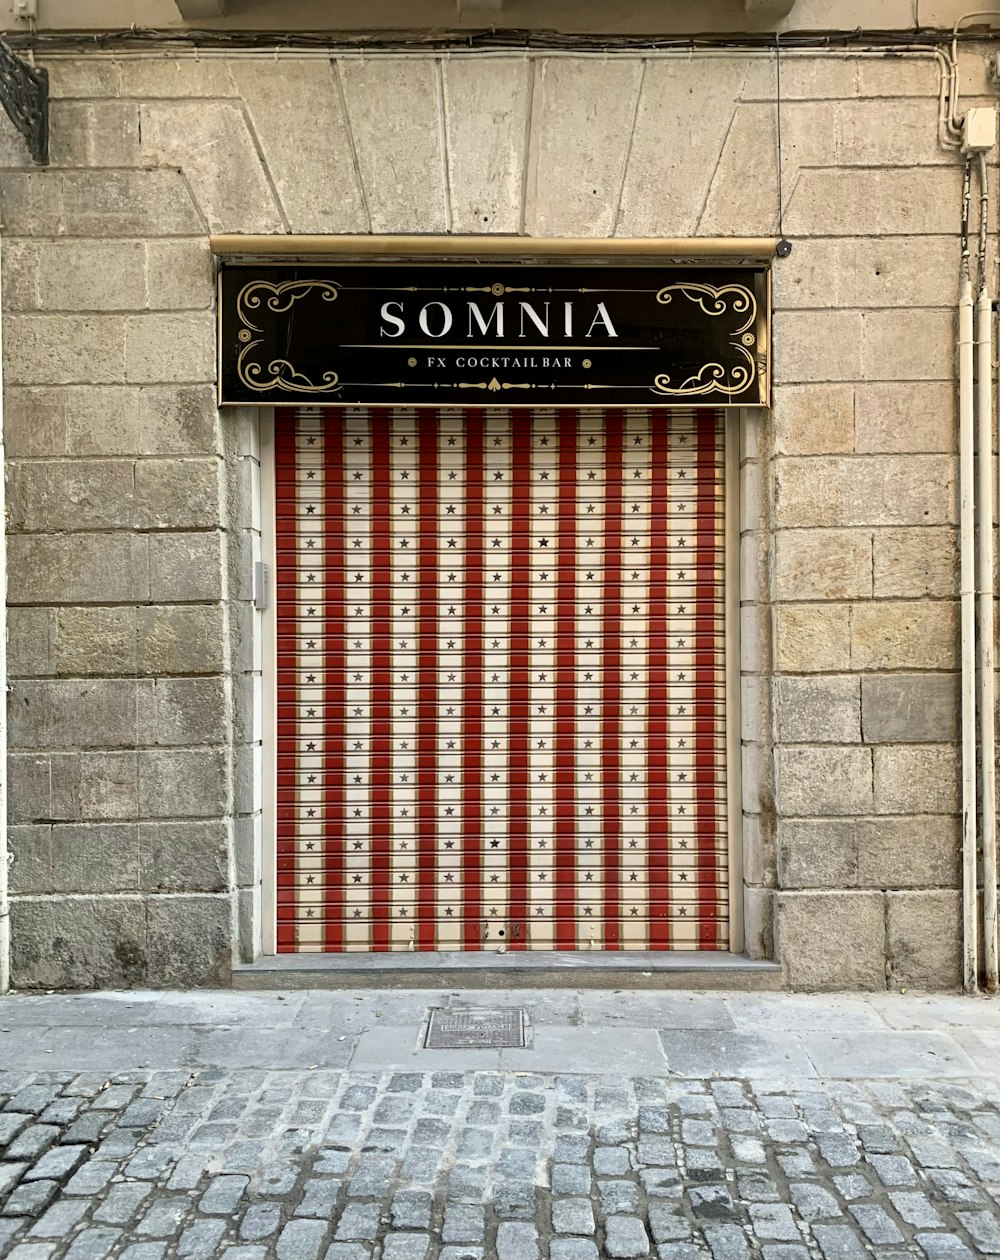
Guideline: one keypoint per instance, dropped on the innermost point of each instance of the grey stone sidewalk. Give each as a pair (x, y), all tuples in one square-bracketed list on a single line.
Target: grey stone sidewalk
[(310, 1126)]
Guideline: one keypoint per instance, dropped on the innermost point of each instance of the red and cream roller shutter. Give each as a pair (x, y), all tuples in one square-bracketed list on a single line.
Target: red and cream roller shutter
[(501, 680)]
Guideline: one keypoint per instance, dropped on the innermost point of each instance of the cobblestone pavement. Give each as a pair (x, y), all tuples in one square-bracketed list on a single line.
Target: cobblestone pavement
[(358, 1164), (301, 1165)]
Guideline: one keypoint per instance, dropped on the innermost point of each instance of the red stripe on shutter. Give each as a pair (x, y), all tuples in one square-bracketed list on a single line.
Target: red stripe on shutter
[(472, 708), (520, 693), (381, 680), (427, 688), (335, 631), (705, 677), (658, 759), (565, 715), (611, 762)]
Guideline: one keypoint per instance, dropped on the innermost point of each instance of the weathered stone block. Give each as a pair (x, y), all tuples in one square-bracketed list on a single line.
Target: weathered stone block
[(889, 133), (918, 852), (862, 273), (755, 709), (803, 78), (822, 564), (486, 106), (182, 784), (924, 939), (98, 203), (99, 713), (97, 641), (246, 842), (214, 149), (812, 638), (184, 711), (82, 77), (63, 349), (821, 710), (183, 856), (866, 490), (101, 420), (185, 567), (28, 647), (31, 858), (819, 781), (77, 569), (392, 113), (736, 204), (175, 77), (82, 943), (897, 76), (29, 787), (758, 851), (34, 421), (78, 858), (305, 162), (916, 562), (910, 708), (816, 346), (94, 785), (693, 102), (177, 493), (179, 275), (905, 417), (176, 639), (814, 419), (918, 780), (897, 634), (70, 495), (171, 347), (249, 923), (831, 940), (189, 941), (758, 922), (908, 345), (20, 276), (817, 853), (581, 121), (94, 133), (908, 201), (732, 198), (178, 420)]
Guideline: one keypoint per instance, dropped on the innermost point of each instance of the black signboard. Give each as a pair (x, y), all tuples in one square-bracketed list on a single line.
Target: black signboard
[(493, 334)]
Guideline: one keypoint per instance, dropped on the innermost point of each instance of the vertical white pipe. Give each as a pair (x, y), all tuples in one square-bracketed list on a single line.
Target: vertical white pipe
[(967, 541), (4, 850), (987, 679)]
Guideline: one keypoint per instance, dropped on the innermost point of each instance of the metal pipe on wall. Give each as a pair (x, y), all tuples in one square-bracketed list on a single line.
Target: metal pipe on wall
[(987, 677), (967, 542), (4, 848)]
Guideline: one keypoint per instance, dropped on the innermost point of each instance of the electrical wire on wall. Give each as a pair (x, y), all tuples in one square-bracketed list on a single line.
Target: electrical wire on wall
[(783, 248)]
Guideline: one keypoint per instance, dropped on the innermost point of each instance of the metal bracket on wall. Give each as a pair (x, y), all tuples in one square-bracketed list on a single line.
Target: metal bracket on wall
[(24, 94)]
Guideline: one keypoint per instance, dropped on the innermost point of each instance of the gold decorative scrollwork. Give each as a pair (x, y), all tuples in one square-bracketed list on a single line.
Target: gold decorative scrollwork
[(713, 300), (714, 378), (711, 379), (281, 372)]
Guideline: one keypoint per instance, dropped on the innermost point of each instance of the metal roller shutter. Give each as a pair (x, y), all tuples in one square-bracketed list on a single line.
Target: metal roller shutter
[(501, 681)]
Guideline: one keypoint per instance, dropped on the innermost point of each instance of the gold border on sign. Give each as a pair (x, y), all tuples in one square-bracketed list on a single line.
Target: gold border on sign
[(715, 300), (283, 374)]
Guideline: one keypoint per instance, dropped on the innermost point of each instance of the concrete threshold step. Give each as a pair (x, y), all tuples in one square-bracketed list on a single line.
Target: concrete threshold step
[(528, 970)]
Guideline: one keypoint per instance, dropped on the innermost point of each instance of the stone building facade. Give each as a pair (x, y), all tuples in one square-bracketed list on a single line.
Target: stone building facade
[(137, 704)]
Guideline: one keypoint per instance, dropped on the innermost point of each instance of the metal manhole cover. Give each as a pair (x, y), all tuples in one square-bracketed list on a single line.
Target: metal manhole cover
[(475, 1028)]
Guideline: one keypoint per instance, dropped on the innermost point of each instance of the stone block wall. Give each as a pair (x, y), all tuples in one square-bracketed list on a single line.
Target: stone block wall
[(134, 512)]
